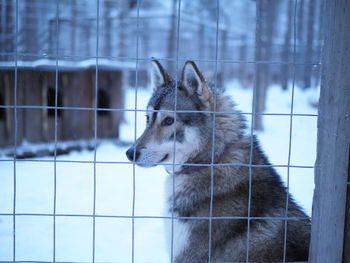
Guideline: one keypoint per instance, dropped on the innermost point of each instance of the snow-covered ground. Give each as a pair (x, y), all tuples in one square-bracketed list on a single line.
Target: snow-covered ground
[(114, 189)]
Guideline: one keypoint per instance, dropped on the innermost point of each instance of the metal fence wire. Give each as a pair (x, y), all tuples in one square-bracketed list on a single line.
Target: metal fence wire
[(177, 60)]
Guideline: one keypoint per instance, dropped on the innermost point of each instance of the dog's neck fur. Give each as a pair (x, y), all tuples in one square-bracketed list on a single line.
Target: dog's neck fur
[(188, 169)]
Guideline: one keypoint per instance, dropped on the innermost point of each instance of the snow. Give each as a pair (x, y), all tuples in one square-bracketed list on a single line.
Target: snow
[(26, 146), (50, 64), (114, 188)]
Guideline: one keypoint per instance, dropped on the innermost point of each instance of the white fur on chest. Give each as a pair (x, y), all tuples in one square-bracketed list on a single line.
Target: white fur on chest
[(181, 230)]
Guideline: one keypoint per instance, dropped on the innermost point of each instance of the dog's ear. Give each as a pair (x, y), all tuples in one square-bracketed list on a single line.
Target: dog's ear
[(194, 81), (159, 76)]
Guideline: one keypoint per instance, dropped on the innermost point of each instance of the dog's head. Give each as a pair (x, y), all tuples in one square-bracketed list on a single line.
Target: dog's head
[(174, 126)]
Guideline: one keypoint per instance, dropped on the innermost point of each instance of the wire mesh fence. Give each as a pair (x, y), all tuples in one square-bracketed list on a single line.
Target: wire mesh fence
[(94, 38)]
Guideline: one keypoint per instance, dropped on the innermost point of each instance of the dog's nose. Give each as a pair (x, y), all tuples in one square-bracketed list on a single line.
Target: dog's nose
[(130, 154)]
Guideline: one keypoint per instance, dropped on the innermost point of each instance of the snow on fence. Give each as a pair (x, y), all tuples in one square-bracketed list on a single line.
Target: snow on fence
[(324, 230)]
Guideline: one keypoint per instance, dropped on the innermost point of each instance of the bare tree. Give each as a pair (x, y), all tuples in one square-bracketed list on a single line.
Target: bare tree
[(265, 10), (319, 39), (285, 72), (300, 26), (259, 85), (172, 43), (73, 27), (123, 12), (107, 41), (309, 44), (6, 28), (30, 38)]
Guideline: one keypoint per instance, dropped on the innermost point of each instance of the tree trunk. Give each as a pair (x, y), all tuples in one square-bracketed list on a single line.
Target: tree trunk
[(30, 30), (319, 41), (7, 29), (309, 44), (224, 55), (201, 41), (107, 47), (172, 41), (73, 28), (264, 33), (122, 29), (242, 66), (286, 54), (259, 87), (300, 25)]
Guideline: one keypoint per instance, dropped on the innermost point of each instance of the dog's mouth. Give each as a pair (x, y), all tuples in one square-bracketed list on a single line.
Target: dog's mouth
[(152, 164), (164, 158)]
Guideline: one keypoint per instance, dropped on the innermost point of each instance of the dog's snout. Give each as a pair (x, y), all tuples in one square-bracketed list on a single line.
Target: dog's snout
[(131, 152)]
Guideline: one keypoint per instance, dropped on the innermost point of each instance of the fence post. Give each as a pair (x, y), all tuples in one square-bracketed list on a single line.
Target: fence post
[(331, 170)]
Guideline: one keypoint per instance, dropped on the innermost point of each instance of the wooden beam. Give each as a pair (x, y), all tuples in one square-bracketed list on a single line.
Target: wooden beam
[(331, 170)]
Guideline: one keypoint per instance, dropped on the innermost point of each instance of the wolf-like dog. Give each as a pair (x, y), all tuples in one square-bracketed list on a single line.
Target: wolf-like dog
[(246, 205)]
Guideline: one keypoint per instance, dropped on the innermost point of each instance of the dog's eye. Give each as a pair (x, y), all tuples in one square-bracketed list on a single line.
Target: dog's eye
[(168, 121)]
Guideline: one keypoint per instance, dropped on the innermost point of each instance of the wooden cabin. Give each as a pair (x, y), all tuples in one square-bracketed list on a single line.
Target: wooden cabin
[(76, 102)]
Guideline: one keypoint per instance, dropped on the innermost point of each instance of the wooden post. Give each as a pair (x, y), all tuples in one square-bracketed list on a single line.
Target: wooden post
[(332, 164), (346, 249)]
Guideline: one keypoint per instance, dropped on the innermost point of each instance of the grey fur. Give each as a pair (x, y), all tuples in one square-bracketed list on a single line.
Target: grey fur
[(231, 183)]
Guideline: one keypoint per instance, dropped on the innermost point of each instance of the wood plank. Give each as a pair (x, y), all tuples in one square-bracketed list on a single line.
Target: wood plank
[(32, 96), (331, 170), (117, 101), (346, 249)]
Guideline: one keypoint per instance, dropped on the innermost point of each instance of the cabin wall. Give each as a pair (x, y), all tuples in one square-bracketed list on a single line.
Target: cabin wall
[(76, 101), (77, 92), (110, 95), (7, 99)]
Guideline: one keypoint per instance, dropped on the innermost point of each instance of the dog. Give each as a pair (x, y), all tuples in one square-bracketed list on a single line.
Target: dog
[(223, 209)]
